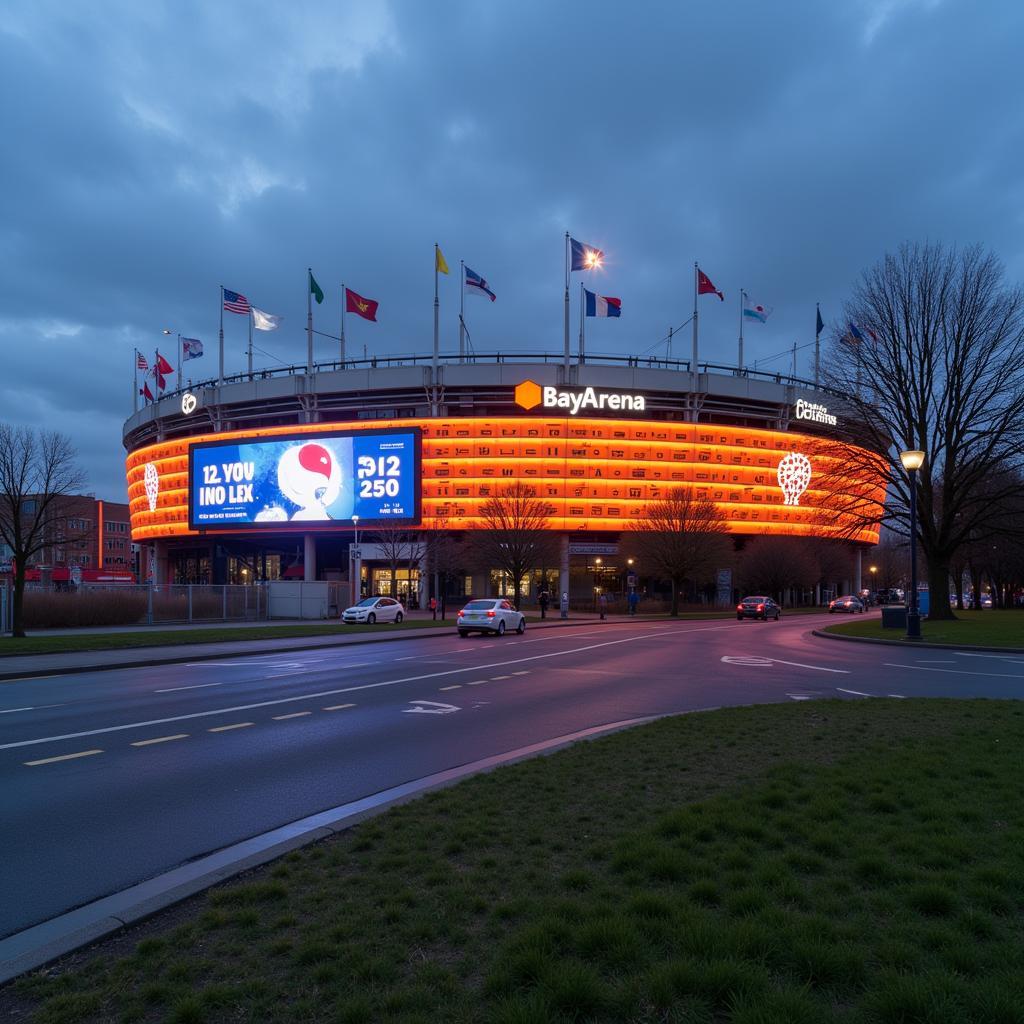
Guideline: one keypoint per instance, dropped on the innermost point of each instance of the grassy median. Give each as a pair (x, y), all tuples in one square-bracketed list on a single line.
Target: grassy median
[(825, 861), (989, 628)]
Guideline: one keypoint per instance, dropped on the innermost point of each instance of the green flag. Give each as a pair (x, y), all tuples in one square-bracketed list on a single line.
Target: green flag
[(315, 290)]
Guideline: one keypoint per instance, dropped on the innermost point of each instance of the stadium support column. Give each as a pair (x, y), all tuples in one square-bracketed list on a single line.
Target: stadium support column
[(857, 569), (309, 557), (563, 567)]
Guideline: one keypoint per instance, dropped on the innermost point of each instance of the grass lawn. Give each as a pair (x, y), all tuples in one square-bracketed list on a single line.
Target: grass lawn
[(785, 864), (989, 628)]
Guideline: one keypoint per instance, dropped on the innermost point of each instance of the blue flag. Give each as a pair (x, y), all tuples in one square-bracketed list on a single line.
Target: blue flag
[(583, 256)]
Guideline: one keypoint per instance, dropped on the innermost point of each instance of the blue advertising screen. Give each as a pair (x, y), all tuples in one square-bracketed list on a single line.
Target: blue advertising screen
[(312, 478)]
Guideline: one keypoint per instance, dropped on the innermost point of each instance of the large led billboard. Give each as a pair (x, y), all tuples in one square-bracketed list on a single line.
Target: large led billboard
[(326, 478)]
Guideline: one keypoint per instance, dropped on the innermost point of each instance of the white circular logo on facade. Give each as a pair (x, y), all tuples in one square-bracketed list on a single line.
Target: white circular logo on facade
[(152, 480), (188, 403), (794, 476)]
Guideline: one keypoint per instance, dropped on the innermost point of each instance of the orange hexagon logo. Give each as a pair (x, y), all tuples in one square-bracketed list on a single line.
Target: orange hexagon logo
[(528, 394)]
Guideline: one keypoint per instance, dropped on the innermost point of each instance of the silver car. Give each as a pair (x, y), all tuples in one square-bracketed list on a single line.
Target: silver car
[(374, 609), (490, 615)]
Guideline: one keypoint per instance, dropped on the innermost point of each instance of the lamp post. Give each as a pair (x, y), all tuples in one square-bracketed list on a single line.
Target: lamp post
[(873, 569), (356, 570), (912, 461), (597, 586)]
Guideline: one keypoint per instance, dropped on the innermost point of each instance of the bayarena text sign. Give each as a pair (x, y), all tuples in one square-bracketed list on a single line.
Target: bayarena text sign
[(576, 400)]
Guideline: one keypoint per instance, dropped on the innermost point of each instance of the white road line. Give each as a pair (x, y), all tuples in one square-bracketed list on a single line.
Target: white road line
[(898, 696), (477, 682), (856, 693), (294, 714), (197, 686), (494, 679), (62, 757), (924, 661), (350, 689), (522, 672), (411, 657), (1007, 656), (454, 686), (227, 728), (817, 668), (10, 711), (278, 675), (160, 739), (221, 664), (959, 671), (339, 707)]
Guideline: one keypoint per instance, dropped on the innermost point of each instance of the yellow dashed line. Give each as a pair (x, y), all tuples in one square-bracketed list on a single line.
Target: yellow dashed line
[(63, 757), (339, 707), (457, 686), (294, 714), (224, 728), (160, 739)]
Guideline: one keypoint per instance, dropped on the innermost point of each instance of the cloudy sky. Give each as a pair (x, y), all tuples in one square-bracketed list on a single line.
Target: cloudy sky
[(154, 151)]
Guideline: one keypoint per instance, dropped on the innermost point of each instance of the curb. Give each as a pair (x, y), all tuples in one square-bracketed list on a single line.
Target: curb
[(915, 644), (43, 943), (419, 634)]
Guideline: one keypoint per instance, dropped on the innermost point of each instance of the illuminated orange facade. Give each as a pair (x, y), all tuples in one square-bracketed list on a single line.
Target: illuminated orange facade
[(595, 474)]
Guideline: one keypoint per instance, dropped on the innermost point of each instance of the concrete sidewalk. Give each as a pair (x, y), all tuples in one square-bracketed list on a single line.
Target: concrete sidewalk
[(29, 666)]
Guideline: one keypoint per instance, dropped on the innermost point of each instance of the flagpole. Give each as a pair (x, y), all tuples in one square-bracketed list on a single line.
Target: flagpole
[(436, 315), (220, 379), (567, 306), (135, 390), (156, 374), (693, 360), (668, 347), (817, 343), (309, 321), (739, 360), (582, 355), (179, 360), (344, 303), (794, 358), (251, 317), (462, 310)]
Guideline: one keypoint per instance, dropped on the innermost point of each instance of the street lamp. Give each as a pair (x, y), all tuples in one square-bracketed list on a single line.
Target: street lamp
[(356, 570), (912, 461)]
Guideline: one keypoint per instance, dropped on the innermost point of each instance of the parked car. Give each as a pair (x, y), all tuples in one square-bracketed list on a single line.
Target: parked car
[(374, 609), (848, 603), (758, 608), (490, 615)]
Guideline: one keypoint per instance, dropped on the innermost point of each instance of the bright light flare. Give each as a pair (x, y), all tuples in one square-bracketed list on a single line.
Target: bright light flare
[(593, 259)]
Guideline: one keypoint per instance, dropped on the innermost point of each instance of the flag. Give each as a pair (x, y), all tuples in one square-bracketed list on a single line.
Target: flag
[(440, 263), (264, 321), (235, 303), (476, 284), (145, 392), (191, 348), (366, 308), (705, 287), (583, 256), (820, 326), (754, 310), (141, 362), (162, 366), (315, 290), (602, 305)]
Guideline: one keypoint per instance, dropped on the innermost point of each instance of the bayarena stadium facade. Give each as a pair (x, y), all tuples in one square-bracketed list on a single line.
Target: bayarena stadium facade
[(291, 473)]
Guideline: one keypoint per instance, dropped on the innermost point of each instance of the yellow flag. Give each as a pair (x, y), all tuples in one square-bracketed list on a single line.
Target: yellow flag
[(439, 260)]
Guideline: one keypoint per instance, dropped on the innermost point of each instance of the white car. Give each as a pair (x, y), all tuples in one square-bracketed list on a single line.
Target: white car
[(490, 615), (374, 609)]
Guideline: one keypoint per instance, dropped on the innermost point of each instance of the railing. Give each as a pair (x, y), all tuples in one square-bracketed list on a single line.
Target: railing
[(506, 357)]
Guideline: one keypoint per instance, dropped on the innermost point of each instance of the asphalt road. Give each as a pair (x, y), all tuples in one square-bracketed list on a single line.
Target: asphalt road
[(112, 777)]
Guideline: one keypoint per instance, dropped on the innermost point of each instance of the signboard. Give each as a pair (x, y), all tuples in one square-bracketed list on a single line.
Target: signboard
[(75, 575), (723, 588), (814, 412), (264, 483), (577, 400), (578, 548), (631, 579)]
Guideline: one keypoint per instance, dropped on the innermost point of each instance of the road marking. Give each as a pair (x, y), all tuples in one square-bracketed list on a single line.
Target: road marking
[(477, 682), (10, 711), (816, 668), (339, 707), (923, 661), (522, 672), (856, 693), (659, 634), (1008, 656), (278, 675), (798, 696), (221, 664), (225, 728), (430, 707), (454, 686), (294, 714), (898, 696), (756, 661), (62, 757), (956, 671), (494, 679), (160, 739), (198, 686)]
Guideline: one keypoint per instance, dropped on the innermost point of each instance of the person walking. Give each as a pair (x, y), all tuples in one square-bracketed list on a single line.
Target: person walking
[(602, 604), (633, 600), (433, 608), (544, 599)]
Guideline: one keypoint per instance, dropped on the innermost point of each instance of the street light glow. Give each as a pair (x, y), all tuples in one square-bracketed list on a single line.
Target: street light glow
[(912, 459)]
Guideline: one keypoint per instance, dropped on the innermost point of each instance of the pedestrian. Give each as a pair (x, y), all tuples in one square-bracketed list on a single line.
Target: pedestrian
[(602, 603), (544, 600), (633, 600), (433, 608)]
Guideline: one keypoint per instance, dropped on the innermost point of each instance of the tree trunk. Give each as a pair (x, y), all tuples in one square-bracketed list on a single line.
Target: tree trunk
[(938, 590), (18, 602), (675, 599)]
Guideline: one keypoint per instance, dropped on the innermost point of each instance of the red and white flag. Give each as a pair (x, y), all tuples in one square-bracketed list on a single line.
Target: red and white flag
[(140, 361), (145, 392), (705, 287)]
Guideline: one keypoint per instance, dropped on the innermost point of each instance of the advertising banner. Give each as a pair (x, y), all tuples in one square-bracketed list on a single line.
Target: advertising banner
[(326, 478)]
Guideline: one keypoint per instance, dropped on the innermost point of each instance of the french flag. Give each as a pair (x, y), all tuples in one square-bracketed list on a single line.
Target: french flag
[(602, 305)]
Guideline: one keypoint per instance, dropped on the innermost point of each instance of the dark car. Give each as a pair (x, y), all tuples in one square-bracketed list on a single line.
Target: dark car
[(847, 603), (758, 608)]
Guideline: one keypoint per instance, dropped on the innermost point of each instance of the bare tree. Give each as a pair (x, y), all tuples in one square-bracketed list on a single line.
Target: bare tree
[(444, 557), (772, 565), (38, 469), (932, 359), (679, 538), (514, 536), (396, 545)]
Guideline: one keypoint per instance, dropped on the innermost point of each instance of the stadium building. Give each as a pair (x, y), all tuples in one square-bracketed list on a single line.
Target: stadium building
[(273, 474)]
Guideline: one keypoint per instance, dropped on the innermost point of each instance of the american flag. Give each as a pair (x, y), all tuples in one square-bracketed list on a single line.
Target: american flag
[(140, 361), (235, 303)]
